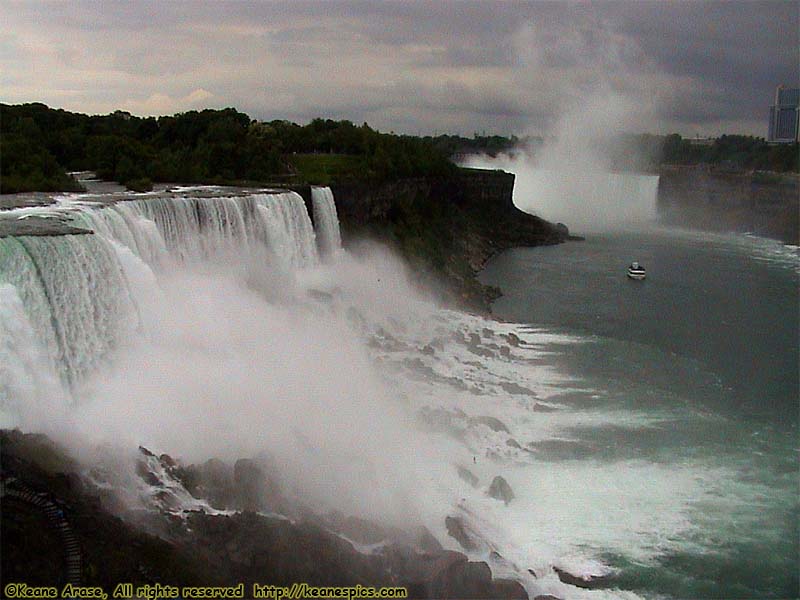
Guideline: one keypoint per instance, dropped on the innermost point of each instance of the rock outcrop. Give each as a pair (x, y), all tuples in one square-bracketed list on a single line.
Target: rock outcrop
[(589, 582), (457, 530), (500, 490), (199, 548), (446, 227)]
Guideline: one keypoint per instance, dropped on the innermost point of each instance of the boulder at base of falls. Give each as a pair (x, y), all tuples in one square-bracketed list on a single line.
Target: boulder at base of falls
[(467, 475), (202, 548), (427, 542), (492, 423), (457, 530), (500, 490), (588, 582), (451, 575), (255, 490)]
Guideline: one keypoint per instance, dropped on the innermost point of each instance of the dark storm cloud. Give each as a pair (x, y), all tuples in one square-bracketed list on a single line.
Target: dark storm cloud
[(415, 66)]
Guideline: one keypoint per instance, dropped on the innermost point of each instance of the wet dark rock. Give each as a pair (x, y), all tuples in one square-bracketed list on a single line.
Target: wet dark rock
[(474, 345), (543, 408), (48, 455), (437, 343), (492, 423), (213, 481), (513, 443), (500, 490), (427, 542), (359, 530), (546, 597), (453, 576), (146, 474), (452, 422), (321, 296), (418, 366), (168, 461), (509, 588), (589, 583), (467, 476), (429, 350), (254, 490), (487, 333), (39, 226), (505, 351), (514, 388), (470, 214), (212, 549), (457, 531), (513, 339)]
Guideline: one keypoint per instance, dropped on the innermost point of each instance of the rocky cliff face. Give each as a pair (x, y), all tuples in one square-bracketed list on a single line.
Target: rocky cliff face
[(767, 204), (446, 227), (45, 493)]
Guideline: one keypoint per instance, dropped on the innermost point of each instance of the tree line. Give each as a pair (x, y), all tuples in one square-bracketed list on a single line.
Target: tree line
[(736, 152), (39, 145)]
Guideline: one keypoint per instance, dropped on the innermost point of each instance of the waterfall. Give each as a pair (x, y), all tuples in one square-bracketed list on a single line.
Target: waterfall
[(588, 200), (28, 377), (584, 197), (75, 294), (79, 292), (288, 228), (326, 220), (196, 228)]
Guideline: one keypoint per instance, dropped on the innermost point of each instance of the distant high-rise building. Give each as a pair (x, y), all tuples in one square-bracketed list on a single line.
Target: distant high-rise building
[(784, 116)]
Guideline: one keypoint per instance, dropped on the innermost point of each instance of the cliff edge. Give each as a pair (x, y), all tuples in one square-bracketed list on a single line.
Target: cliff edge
[(446, 227)]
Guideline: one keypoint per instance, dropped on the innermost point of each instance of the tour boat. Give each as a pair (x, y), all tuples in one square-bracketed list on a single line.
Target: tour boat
[(636, 271)]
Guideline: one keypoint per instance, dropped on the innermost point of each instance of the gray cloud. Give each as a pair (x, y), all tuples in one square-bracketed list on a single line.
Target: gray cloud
[(408, 66)]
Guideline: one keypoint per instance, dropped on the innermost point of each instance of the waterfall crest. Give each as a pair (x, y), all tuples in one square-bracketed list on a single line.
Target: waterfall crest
[(78, 292), (326, 220)]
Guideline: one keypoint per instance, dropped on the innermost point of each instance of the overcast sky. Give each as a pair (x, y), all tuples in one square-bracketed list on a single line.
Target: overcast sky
[(412, 67)]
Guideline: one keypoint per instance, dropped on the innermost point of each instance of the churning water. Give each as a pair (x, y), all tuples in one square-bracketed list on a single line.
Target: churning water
[(689, 448)]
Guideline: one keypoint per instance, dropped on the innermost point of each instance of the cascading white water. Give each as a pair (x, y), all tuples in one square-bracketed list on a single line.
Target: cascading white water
[(326, 220), (288, 228), (77, 292), (585, 199), (588, 201), (76, 295), (196, 228)]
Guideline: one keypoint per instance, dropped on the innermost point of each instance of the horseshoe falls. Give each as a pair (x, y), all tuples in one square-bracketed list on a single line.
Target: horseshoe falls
[(213, 323), (589, 199)]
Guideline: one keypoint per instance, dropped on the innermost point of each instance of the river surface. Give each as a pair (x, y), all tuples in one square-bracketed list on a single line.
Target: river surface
[(697, 370)]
